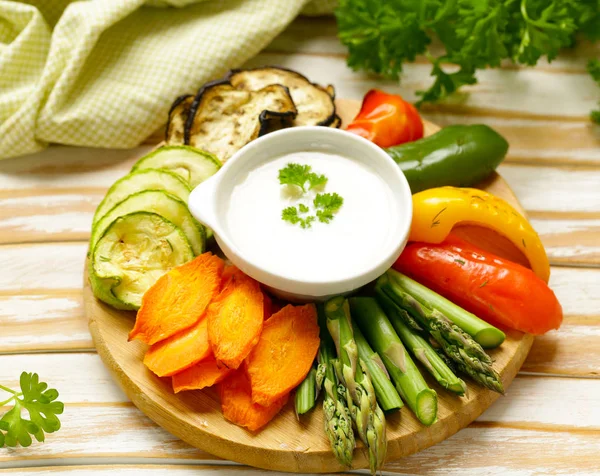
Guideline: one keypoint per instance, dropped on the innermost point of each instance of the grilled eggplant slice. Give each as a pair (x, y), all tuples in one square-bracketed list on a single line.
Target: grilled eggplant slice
[(314, 102), (330, 90), (178, 115), (223, 119), (134, 251)]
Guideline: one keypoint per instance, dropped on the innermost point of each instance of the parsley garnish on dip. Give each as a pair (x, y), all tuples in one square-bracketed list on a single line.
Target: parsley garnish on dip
[(325, 204), (308, 214)]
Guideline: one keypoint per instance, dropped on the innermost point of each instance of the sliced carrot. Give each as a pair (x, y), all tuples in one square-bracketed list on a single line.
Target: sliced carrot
[(267, 306), (180, 351), (237, 406), (204, 374), (284, 353), (272, 305), (235, 320), (178, 299), (228, 273)]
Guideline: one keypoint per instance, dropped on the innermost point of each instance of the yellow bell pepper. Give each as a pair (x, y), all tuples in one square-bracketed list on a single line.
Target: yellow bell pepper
[(437, 210)]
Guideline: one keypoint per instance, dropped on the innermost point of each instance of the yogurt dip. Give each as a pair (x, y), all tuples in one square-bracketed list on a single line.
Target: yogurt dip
[(354, 239)]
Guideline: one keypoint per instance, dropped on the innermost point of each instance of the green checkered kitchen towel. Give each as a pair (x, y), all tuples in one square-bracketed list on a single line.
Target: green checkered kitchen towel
[(103, 73)]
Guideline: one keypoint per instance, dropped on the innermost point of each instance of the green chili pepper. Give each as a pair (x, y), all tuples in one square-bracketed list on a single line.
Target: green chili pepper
[(459, 155)]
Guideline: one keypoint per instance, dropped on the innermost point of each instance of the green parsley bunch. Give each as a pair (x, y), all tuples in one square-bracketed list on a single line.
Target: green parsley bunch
[(381, 35)]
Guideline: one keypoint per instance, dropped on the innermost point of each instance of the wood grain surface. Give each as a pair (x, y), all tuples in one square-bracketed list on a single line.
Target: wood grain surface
[(547, 424)]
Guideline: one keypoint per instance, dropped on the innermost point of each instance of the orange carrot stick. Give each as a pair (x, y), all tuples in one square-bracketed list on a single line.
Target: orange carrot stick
[(235, 320), (180, 351), (237, 406), (178, 299), (204, 374), (284, 353)]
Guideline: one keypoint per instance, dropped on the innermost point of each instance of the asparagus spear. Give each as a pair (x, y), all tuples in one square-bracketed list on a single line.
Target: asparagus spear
[(338, 423), (366, 413), (387, 395), (307, 393), (409, 382), (483, 333), (419, 347), (470, 358)]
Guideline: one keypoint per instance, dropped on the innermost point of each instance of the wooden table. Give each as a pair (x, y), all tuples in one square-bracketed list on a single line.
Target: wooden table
[(549, 421)]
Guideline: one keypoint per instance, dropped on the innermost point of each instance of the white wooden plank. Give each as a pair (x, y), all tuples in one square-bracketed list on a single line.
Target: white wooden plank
[(570, 351), (48, 216), (68, 167), (554, 189), (41, 266), (79, 377), (143, 468), (43, 322), (577, 289), (569, 240), (82, 379), (167, 466), (123, 435)]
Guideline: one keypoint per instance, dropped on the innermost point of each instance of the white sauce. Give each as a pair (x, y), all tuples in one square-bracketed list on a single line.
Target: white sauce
[(352, 241)]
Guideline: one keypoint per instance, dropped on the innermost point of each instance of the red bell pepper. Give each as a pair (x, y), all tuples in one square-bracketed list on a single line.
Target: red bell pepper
[(495, 289), (387, 120)]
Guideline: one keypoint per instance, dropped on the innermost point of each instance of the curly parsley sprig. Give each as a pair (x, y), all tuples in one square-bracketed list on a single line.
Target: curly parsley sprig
[(382, 35), (296, 174), (42, 405), (325, 204)]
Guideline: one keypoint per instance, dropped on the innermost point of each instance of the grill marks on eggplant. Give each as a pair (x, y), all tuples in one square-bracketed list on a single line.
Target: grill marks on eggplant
[(228, 113), (314, 102), (223, 119)]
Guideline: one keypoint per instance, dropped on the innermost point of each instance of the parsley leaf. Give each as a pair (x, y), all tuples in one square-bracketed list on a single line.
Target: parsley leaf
[(307, 222), (296, 174), (316, 180), (382, 35), (303, 208), (42, 405), (291, 214), (331, 201), (328, 204)]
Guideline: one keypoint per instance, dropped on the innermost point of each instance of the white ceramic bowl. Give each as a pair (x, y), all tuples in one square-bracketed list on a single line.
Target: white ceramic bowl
[(209, 202)]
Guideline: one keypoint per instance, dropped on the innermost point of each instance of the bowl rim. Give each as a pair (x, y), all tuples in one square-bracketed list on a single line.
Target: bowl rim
[(307, 287)]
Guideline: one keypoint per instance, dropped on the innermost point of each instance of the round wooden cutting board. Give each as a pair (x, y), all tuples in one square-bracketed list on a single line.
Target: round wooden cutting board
[(289, 443)]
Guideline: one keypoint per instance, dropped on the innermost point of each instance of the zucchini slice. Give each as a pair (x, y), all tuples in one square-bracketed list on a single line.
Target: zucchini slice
[(192, 165), (162, 203), (223, 119), (134, 251), (145, 179), (314, 102)]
